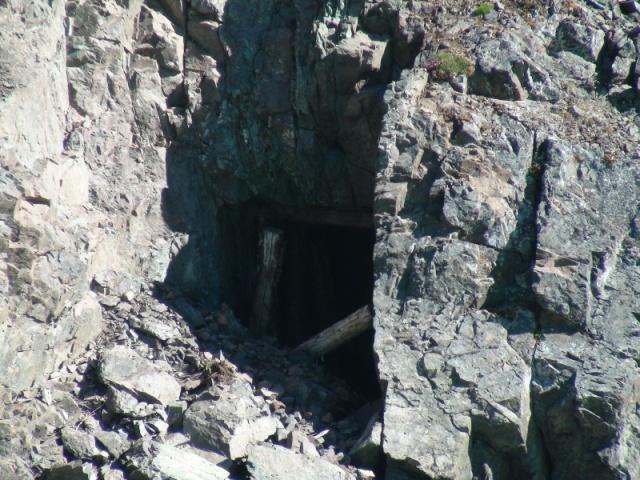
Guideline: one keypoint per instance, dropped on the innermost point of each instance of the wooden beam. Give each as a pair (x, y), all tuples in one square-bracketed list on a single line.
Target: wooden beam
[(272, 242), (328, 217), (338, 333), (319, 216)]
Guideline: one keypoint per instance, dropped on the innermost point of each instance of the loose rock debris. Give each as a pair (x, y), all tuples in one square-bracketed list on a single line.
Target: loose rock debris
[(155, 397)]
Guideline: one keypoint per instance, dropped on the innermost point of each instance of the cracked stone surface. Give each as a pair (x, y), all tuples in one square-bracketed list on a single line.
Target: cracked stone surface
[(495, 284), (145, 143)]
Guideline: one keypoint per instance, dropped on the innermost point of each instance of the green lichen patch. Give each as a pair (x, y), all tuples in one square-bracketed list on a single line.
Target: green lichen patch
[(483, 9), (450, 65)]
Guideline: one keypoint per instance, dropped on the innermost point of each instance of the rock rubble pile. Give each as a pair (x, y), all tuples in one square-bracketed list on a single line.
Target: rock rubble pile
[(157, 397)]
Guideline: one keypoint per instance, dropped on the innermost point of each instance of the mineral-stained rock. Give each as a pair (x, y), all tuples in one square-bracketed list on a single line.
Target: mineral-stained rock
[(272, 462), (149, 460), (230, 421), (124, 369)]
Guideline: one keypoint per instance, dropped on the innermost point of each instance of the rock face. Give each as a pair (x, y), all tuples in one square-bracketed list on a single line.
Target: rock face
[(145, 144), (503, 291), (76, 187)]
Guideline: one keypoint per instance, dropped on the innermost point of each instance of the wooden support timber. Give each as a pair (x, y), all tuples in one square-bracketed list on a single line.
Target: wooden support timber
[(338, 333), (272, 242), (340, 219), (318, 216)]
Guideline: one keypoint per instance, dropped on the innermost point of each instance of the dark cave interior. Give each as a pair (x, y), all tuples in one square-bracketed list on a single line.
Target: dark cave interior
[(327, 274)]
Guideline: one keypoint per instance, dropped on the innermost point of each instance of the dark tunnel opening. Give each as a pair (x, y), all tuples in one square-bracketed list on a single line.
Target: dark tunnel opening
[(327, 274)]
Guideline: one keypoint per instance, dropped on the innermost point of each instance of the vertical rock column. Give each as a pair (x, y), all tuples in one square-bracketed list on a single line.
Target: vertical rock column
[(45, 311)]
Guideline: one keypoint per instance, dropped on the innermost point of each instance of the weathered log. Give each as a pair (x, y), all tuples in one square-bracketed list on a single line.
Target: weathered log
[(338, 333), (272, 243)]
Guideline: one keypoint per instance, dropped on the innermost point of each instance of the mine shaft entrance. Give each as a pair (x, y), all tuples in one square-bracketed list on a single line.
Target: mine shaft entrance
[(327, 274)]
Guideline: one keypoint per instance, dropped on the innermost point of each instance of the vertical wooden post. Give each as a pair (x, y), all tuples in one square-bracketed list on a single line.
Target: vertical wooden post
[(272, 243)]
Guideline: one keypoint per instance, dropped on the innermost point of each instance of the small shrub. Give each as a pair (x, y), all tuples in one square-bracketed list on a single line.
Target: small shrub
[(483, 9), (451, 65)]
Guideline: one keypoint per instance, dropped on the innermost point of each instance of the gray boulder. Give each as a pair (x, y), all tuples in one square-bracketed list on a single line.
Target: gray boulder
[(582, 40), (511, 68), (230, 421), (149, 460), (116, 443), (79, 444), (123, 368), (272, 462)]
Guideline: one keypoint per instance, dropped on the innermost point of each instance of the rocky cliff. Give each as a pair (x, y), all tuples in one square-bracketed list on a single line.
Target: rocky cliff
[(471, 170)]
